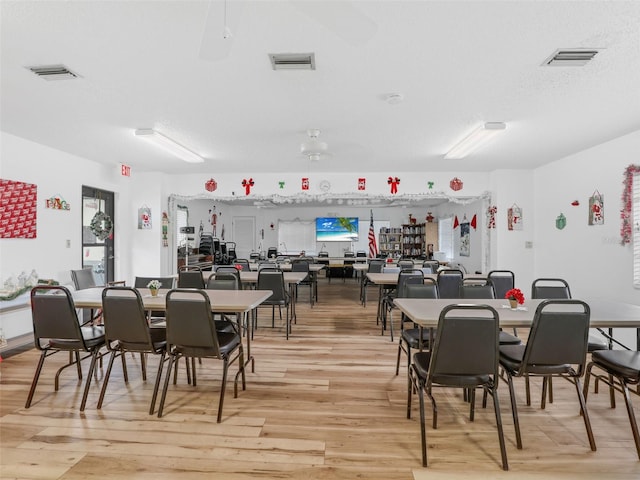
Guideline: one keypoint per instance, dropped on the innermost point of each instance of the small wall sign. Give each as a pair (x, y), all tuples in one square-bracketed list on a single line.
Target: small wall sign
[(57, 203), (125, 170)]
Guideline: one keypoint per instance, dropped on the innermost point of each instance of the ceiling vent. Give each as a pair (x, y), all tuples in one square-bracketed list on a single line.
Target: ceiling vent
[(570, 57), (293, 61), (53, 72)]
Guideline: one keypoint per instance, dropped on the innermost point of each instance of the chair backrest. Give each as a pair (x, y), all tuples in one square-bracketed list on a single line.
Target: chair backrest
[(433, 264), (255, 256), (323, 254), (124, 319), (502, 281), (376, 266), (449, 283), (349, 255), (477, 291), (300, 265), (165, 282), (550, 288), (428, 289), (190, 279), (190, 325), (83, 278), (405, 265), (272, 252), (269, 265), (189, 268), (361, 254), (54, 316), (271, 279), (559, 335), (390, 269), (216, 283), (406, 277), (466, 343)]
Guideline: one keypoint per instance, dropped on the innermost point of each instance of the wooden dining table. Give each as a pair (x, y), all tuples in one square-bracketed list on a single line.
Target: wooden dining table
[(241, 302)]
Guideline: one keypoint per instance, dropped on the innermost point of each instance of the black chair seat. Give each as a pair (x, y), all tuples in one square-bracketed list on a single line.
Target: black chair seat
[(412, 337), (624, 363), (597, 343), (511, 357), (423, 359), (507, 338), (93, 336), (228, 342)]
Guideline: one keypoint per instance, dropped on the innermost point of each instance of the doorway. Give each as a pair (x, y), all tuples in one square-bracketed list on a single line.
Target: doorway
[(97, 233), (244, 235)]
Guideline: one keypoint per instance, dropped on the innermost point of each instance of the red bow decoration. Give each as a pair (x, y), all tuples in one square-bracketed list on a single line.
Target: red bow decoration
[(247, 184), (394, 182)]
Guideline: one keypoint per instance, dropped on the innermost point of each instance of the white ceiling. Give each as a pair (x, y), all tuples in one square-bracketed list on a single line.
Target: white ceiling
[(147, 64)]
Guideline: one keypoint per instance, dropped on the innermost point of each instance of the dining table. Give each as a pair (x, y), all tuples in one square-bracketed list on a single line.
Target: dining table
[(604, 314), (241, 302)]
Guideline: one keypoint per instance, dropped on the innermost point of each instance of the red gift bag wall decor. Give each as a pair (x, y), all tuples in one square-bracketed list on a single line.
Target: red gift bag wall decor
[(18, 209)]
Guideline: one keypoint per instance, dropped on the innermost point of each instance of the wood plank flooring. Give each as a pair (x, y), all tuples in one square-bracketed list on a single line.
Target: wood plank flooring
[(324, 405)]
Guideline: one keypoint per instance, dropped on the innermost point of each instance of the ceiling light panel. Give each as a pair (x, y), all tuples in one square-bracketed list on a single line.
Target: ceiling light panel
[(476, 139), (169, 145)]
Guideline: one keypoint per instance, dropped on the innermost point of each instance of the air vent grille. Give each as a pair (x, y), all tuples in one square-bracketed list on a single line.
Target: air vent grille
[(576, 57), (53, 72), (293, 61)]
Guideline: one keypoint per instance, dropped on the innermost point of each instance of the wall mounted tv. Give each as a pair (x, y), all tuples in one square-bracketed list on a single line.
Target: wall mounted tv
[(337, 229)]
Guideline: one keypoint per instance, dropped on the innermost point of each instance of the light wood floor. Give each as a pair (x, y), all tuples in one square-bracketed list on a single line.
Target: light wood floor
[(325, 404)]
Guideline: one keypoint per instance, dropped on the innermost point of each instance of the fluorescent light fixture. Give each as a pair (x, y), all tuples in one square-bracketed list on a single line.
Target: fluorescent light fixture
[(169, 145), (475, 139)]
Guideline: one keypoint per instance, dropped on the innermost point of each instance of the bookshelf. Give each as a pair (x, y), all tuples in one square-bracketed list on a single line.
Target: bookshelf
[(390, 240), (413, 240)]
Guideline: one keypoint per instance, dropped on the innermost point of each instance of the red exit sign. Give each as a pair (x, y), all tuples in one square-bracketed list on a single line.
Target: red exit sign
[(125, 170)]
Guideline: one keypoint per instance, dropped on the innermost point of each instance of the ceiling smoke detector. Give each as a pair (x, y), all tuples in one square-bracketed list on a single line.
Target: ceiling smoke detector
[(313, 148)]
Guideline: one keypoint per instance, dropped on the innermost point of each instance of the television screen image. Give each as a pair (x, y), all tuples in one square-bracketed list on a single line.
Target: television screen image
[(337, 229)]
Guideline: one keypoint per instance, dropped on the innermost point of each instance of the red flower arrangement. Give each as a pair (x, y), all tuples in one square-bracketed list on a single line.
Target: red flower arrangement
[(238, 266), (515, 294)]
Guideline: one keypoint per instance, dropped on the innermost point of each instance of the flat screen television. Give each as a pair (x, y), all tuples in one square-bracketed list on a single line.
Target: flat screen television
[(337, 229)]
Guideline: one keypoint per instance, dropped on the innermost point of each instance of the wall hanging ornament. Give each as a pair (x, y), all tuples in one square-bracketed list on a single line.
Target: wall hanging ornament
[(596, 209), (101, 225), (18, 209), (362, 184), (491, 216), (561, 221), (165, 229), (211, 185), (213, 219), (456, 223), (474, 221), (575, 203), (394, 182), (514, 217), (144, 218), (222, 233), (455, 184), (247, 184), (305, 183), (465, 239), (627, 195), (57, 203), (280, 185), (430, 185), (429, 218)]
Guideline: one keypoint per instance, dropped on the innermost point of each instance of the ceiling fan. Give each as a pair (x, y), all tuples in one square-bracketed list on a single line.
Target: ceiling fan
[(313, 148), (342, 18)]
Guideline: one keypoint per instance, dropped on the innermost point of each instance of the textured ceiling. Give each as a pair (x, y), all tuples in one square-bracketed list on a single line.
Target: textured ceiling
[(158, 64)]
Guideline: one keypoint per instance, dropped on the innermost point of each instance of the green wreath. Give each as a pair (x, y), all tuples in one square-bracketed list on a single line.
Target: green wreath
[(101, 225)]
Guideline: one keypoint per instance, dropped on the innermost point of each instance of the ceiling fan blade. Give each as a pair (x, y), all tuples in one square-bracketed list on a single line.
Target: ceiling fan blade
[(220, 29), (342, 18)]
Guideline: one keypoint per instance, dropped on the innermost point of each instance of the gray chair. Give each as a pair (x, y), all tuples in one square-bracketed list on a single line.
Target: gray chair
[(56, 329), (191, 333), (83, 279), (434, 265), (223, 281), (243, 263), (556, 347), (190, 279), (624, 366), (464, 355), (127, 330), (405, 278), (502, 281), (302, 265), (272, 279), (415, 337), (375, 266), (449, 282)]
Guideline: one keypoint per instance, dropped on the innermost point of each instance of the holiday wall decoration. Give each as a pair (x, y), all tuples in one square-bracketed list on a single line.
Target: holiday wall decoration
[(18, 209), (514, 218), (165, 229), (455, 184), (362, 184), (465, 239), (394, 182), (211, 185), (561, 221), (491, 216), (305, 183), (57, 203), (213, 220), (627, 197), (247, 184), (596, 209), (281, 185), (144, 218)]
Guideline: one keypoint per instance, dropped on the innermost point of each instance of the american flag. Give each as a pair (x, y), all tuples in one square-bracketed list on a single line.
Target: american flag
[(373, 246)]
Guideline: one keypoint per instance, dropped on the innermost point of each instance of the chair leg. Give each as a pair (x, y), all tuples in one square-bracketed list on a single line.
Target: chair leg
[(496, 408), (398, 359), (103, 390), (472, 404), (632, 417), (32, 390), (585, 414), (92, 366), (434, 407), (527, 388), (423, 430), (156, 385), (223, 388), (514, 411), (166, 385)]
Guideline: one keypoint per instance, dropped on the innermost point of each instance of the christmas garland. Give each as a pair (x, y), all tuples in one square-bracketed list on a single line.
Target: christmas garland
[(627, 198), (101, 225)]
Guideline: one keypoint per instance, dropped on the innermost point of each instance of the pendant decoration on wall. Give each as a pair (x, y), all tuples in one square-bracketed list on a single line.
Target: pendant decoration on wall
[(474, 222), (561, 221), (430, 185), (429, 218), (165, 229), (57, 203), (627, 197), (144, 218), (18, 209), (514, 217), (247, 184), (213, 220), (394, 182), (211, 185), (305, 183), (281, 185), (596, 209), (362, 184), (575, 203), (491, 216), (456, 223), (455, 184), (222, 233), (465, 239), (101, 225)]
